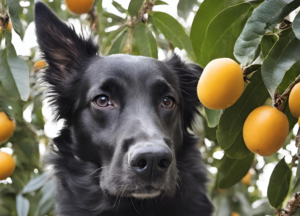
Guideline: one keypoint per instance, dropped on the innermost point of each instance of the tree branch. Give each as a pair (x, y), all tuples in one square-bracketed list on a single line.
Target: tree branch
[(292, 206), (93, 17), (280, 100)]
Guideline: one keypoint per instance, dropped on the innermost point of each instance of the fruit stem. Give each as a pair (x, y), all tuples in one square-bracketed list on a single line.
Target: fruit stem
[(279, 100), (93, 17)]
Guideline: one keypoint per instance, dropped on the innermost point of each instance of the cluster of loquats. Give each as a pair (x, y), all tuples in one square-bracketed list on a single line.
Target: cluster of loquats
[(266, 128), (7, 163)]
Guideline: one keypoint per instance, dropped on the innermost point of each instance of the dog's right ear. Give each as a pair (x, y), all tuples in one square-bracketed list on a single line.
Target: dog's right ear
[(61, 46)]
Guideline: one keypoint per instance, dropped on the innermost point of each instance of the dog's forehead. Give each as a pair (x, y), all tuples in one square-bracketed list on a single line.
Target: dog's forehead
[(129, 67)]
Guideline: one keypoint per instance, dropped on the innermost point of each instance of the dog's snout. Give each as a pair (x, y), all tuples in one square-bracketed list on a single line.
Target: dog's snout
[(148, 159)]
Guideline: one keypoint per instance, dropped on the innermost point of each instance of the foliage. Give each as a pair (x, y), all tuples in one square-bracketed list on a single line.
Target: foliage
[(253, 32)]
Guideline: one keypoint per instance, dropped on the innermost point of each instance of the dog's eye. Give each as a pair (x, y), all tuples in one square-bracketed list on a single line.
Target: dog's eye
[(168, 103), (102, 101)]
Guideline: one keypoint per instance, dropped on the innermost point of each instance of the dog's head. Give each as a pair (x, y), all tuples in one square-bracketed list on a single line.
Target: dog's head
[(127, 114)]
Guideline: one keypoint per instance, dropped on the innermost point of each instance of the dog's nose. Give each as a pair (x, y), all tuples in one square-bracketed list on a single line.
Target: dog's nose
[(150, 159)]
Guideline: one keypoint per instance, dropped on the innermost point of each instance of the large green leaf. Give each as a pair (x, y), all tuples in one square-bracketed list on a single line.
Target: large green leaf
[(118, 43), (236, 172), (134, 7), (264, 18), (18, 68), (22, 205), (222, 32), (267, 42), (279, 183), (207, 11), (296, 26), (213, 117), (232, 120), (173, 31), (281, 58), (184, 8), (145, 40), (238, 149), (14, 74), (36, 183), (119, 7), (13, 8)]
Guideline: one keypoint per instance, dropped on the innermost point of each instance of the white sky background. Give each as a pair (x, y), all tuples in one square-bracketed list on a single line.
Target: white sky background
[(51, 128)]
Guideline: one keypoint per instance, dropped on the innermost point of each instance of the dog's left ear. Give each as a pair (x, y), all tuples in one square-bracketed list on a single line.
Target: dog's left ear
[(61, 46), (66, 54), (188, 75)]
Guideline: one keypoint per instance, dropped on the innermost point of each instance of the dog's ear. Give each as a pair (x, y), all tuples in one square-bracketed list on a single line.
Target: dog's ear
[(188, 75), (61, 46), (66, 54)]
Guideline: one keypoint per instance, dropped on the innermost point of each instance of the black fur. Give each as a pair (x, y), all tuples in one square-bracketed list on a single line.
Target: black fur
[(90, 155)]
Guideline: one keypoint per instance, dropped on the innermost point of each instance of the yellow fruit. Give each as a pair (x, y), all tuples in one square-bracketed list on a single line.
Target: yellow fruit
[(79, 6), (294, 101), (299, 121), (247, 179), (234, 214), (39, 64), (221, 84), (7, 127), (9, 26), (7, 165), (265, 130)]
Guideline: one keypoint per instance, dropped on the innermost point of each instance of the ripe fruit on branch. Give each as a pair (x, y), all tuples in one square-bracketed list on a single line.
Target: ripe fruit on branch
[(9, 26), (221, 84), (7, 127), (79, 6), (265, 130), (39, 64), (299, 121), (247, 179), (7, 165), (294, 101)]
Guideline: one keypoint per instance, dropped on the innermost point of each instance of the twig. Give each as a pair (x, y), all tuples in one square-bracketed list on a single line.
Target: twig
[(93, 17), (280, 100), (4, 19), (292, 206)]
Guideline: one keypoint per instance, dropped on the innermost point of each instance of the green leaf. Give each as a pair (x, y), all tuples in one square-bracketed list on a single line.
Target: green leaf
[(184, 8), (238, 149), (267, 43), (119, 7), (212, 116), (264, 18), (296, 26), (173, 31), (22, 205), (13, 8), (222, 32), (281, 58), (236, 172), (158, 2), (134, 7), (145, 40), (232, 120), (118, 43), (18, 68), (36, 183), (6, 76), (207, 11), (279, 183)]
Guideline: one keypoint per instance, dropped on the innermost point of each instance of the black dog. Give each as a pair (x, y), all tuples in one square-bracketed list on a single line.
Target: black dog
[(125, 148)]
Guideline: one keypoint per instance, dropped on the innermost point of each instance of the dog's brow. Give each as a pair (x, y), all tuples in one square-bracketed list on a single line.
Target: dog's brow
[(163, 86), (112, 83)]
